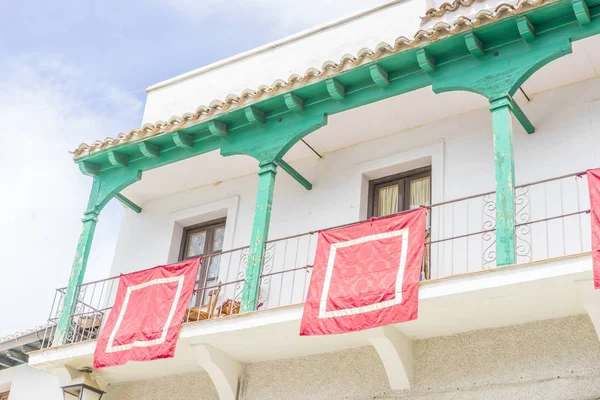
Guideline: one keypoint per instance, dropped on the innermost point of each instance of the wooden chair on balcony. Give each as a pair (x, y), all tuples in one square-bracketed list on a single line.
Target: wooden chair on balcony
[(206, 311)]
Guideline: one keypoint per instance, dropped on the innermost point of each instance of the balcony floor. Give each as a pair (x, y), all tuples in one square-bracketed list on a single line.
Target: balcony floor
[(488, 299)]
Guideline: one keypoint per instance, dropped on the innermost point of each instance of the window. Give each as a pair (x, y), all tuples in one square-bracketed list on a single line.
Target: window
[(4, 396), (202, 240), (400, 192)]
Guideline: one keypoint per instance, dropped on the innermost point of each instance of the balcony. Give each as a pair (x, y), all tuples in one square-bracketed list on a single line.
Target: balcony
[(552, 221)]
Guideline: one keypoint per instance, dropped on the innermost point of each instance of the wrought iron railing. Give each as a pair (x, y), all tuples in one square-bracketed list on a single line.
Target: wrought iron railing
[(550, 220)]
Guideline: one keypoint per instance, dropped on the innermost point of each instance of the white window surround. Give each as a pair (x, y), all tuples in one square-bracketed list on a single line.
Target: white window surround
[(430, 155), (203, 213)]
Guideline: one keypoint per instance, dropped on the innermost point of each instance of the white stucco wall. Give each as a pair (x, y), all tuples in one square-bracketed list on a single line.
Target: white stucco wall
[(460, 150), (553, 359), (27, 383)]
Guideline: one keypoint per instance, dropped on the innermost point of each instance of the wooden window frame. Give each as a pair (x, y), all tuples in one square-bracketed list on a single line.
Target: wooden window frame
[(209, 227), (407, 177)]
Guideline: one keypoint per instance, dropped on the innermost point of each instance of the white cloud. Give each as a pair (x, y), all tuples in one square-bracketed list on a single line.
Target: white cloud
[(47, 107)]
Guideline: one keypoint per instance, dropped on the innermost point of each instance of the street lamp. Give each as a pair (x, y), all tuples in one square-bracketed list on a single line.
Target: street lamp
[(82, 387)]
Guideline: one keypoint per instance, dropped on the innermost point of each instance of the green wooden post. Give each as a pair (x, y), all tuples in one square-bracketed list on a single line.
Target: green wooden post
[(260, 232), (505, 180), (84, 246)]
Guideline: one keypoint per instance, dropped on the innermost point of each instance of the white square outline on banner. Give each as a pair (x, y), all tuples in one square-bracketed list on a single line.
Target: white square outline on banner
[(323, 313), (145, 343)]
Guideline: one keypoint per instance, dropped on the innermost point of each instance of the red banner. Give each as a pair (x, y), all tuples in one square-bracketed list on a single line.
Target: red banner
[(145, 320), (366, 275), (593, 176)]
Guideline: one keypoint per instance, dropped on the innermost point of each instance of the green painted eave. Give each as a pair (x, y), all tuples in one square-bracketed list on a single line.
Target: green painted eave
[(406, 71)]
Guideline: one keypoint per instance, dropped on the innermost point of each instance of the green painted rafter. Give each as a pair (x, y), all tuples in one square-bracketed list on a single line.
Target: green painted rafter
[(293, 103), (379, 76), (474, 45), (128, 203), (294, 174), (149, 150), (582, 12), (426, 61), (335, 89), (526, 29), (254, 115)]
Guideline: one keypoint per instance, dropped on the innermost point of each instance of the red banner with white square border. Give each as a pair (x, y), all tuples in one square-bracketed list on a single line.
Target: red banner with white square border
[(593, 177), (145, 320), (366, 275)]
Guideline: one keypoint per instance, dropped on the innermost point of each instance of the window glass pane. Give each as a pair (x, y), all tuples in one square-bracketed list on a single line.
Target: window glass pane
[(213, 267), (196, 243), (388, 201), (218, 237), (420, 192)]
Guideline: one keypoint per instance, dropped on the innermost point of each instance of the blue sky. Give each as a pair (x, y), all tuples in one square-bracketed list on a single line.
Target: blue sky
[(76, 71)]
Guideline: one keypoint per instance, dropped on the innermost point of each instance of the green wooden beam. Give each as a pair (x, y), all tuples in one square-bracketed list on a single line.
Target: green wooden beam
[(426, 61), (379, 76), (88, 168), (128, 203), (260, 233), (489, 76), (218, 129), (103, 190), (294, 174), (582, 12), (149, 150), (254, 115), (474, 45), (505, 181), (521, 117), (335, 89), (117, 159), (293, 103), (183, 140), (526, 28)]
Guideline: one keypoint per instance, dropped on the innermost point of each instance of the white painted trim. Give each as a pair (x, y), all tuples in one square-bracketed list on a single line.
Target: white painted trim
[(432, 155), (224, 371), (323, 313)]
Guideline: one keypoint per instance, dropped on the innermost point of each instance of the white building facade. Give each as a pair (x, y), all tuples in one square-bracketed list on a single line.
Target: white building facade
[(487, 329)]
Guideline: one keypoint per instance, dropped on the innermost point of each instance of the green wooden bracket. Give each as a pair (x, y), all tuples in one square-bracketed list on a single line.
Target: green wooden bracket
[(149, 150), (474, 45), (521, 117), (117, 159), (426, 61), (581, 12), (89, 169), (294, 174), (254, 115), (128, 203), (217, 128), (293, 102), (271, 141), (526, 28), (104, 188), (260, 232), (379, 76), (183, 140), (335, 89), (500, 73)]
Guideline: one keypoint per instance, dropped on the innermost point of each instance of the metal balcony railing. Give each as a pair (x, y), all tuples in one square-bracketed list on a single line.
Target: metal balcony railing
[(551, 220)]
